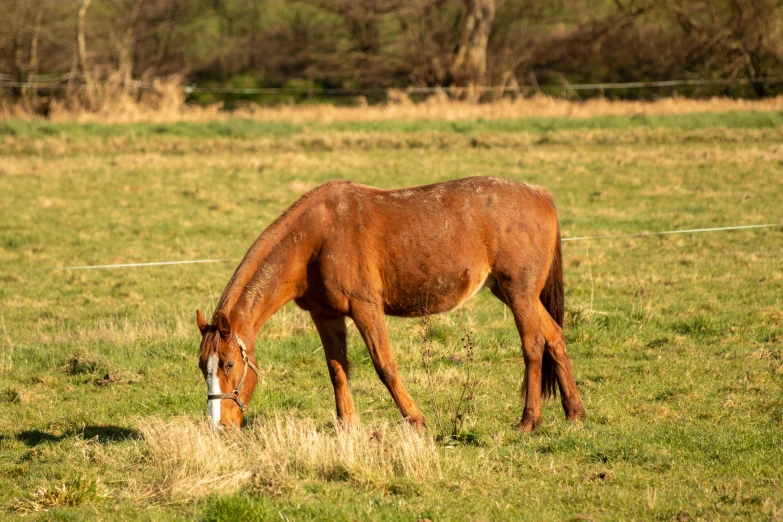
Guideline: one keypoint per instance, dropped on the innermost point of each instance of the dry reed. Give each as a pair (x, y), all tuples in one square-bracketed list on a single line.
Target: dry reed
[(278, 454), (539, 106), (165, 101)]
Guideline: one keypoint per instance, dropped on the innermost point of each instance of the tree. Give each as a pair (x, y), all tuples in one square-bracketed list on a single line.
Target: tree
[(470, 63)]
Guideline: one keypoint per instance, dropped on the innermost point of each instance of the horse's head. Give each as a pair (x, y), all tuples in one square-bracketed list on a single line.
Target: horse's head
[(225, 363)]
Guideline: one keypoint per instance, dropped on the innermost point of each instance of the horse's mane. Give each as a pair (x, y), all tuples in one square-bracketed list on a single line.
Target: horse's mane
[(264, 244)]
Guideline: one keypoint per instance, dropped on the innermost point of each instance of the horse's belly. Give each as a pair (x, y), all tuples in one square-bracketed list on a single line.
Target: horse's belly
[(437, 294)]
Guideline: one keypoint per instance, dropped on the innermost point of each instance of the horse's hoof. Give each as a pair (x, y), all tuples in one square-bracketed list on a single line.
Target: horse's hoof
[(348, 422), (417, 423), (528, 425), (576, 415)]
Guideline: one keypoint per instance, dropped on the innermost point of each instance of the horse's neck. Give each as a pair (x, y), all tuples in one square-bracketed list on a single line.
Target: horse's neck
[(273, 283)]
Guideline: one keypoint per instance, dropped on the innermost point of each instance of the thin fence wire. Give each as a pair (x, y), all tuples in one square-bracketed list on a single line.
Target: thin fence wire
[(670, 232), (153, 263), (63, 81), (484, 89), (582, 238)]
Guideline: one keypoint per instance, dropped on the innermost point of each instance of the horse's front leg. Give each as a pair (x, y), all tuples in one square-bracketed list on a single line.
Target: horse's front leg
[(371, 323), (334, 337)]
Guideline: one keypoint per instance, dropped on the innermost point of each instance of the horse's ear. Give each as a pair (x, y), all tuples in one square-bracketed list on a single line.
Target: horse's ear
[(201, 322), (223, 324)]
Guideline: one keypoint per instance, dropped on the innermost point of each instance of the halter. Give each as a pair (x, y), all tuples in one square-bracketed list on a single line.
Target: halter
[(234, 395)]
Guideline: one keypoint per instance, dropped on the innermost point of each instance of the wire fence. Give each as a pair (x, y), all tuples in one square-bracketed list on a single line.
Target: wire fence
[(497, 89), (582, 238), (70, 81)]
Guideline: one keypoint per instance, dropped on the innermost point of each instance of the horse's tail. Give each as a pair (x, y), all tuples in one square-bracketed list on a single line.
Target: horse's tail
[(553, 299)]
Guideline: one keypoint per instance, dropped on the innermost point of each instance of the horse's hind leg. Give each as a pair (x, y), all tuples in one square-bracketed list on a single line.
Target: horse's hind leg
[(371, 324), (529, 327), (539, 332), (524, 303), (334, 338), (556, 348)]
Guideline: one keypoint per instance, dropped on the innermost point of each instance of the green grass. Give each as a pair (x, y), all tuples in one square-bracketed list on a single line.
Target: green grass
[(676, 342), (248, 128)]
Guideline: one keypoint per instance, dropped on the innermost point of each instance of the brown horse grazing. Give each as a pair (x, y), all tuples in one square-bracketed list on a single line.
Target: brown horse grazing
[(349, 250)]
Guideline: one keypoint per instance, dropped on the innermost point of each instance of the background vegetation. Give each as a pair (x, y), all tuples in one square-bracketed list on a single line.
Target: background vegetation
[(84, 50), (677, 341)]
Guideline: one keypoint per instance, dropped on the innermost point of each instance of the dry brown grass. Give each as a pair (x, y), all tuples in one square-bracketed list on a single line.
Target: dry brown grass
[(118, 331), (438, 108), (164, 101), (278, 455), (68, 494)]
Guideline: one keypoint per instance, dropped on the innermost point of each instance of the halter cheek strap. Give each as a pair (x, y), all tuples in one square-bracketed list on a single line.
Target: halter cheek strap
[(234, 395)]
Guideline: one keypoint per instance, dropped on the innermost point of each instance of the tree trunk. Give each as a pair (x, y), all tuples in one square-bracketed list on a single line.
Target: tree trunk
[(81, 46), (33, 67), (470, 65), (17, 68), (126, 48)]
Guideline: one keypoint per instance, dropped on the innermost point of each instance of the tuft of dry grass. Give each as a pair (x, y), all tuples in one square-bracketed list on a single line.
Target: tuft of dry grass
[(278, 454), (70, 494), (112, 100)]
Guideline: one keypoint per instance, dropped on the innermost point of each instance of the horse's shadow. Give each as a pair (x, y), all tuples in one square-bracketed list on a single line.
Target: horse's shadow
[(103, 434)]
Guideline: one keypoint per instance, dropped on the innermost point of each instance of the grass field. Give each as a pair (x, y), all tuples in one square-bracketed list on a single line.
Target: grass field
[(676, 341)]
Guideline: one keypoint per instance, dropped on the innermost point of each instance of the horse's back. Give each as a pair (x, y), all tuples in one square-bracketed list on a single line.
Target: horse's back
[(427, 249), (489, 198), (468, 210)]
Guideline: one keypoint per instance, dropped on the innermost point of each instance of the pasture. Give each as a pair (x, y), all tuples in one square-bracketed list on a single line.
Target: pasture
[(676, 341)]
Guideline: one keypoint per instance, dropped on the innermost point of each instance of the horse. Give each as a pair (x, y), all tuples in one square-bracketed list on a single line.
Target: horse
[(347, 250)]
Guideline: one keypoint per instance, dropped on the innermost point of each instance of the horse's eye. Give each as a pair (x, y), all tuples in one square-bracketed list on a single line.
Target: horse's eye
[(229, 366)]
